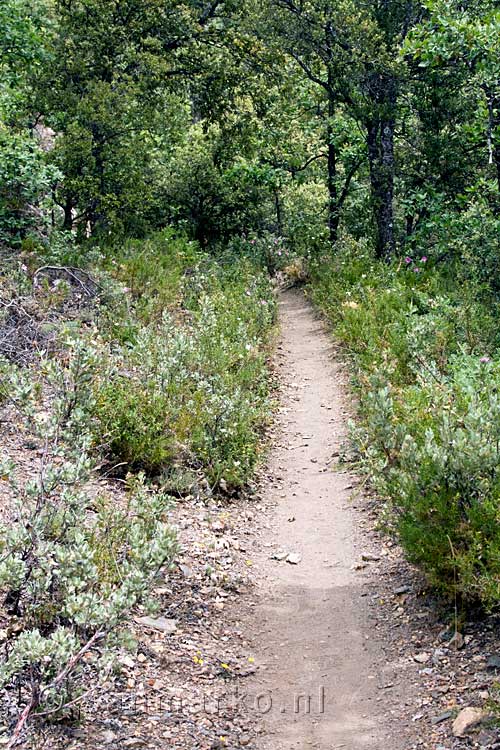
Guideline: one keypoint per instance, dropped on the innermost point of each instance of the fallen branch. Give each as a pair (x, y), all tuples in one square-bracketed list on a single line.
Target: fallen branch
[(36, 699), (90, 287)]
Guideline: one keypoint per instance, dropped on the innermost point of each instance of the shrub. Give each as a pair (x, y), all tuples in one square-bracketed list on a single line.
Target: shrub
[(72, 565), (71, 569), (264, 250), (192, 386), (151, 272), (429, 411)]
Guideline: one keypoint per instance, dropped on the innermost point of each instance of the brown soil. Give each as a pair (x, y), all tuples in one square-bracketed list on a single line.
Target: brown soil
[(320, 665)]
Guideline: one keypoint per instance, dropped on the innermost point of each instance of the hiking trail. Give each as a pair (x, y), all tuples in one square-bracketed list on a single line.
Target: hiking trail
[(320, 664)]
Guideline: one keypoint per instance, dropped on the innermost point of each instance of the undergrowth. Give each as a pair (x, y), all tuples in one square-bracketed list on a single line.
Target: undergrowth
[(423, 342), (148, 359)]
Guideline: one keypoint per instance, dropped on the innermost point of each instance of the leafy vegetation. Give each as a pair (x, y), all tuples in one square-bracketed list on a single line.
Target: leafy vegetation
[(427, 386), (160, 163), (189, 382)]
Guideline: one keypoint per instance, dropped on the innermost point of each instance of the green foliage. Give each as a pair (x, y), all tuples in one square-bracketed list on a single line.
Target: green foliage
[(428, 436), (265, 251), (25, 184), (25, 178), (71, 569), (191, 387), (72, 563), (150, 274)]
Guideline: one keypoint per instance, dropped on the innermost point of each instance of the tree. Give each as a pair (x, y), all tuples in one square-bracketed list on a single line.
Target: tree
[(121, 72), (25, 178), (307, 33)]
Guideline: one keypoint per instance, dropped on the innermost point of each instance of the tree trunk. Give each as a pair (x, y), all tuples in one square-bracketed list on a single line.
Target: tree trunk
[(68, 214), (380, 141), (279, 210), (333, 199)]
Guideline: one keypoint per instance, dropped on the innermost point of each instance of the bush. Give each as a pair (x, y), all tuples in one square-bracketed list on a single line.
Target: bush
[(192, 386), (429, 411), (151, 271), (72, 565), (266, 251), (71, 569)]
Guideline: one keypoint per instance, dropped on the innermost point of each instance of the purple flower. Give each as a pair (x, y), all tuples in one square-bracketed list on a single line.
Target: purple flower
[(408, 260), (416, 270), (485, 360), (424, 259)]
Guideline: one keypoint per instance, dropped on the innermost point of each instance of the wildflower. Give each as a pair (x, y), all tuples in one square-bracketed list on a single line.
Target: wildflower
[(408, 260), (424, 259), (248, 293), (416, 270), (485, 360)]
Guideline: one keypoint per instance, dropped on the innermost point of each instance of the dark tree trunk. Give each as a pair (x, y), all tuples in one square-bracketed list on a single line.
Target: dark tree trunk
[(333, 198), (68, 214), (279, 210), (380, 142)]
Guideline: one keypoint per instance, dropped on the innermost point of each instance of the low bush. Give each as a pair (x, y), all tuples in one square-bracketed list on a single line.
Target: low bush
[(194, 387), (72, 563), (72, 567), (428, 434)]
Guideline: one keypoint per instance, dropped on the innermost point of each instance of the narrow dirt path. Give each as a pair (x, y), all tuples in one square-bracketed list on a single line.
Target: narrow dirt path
[(320, 667)]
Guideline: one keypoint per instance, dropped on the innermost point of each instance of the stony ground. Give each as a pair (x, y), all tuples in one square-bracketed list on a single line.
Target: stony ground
[(287, 592)]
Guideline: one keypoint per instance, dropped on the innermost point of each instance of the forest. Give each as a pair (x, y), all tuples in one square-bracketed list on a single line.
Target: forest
[(166, 168)]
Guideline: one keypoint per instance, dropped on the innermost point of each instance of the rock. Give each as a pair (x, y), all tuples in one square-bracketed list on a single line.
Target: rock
[(279, 556), (359, 566), (442, 717), (438, 654), (218, 526), (467, 719), (493, 662), (294, 558), (487, 738), (160, 623), (402, 590), (127, 661), (457, 641), (368, 557), (244, 740), (422, 658)]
